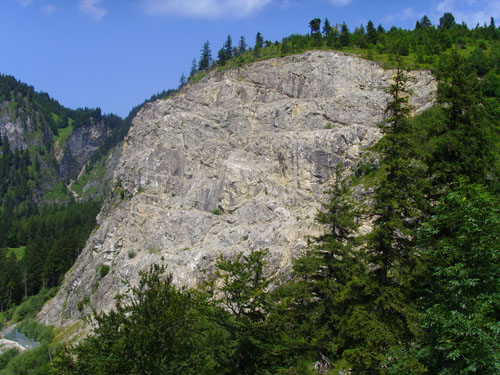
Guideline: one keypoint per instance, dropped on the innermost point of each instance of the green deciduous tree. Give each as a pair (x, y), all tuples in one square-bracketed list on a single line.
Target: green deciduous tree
[(460, 303), (447, 21), (315, 25), (155, 329)]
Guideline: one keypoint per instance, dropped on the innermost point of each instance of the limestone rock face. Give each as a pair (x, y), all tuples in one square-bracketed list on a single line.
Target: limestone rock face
[(238, 161)]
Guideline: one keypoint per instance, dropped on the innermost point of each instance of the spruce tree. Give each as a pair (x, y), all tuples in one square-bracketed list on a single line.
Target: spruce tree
[(242, 45), (371, 33), (466, 143), (259, 43), (194, 68), (325, 272), (361, 300), (327, 28), (206, 57), (344, 35), (384, 295)]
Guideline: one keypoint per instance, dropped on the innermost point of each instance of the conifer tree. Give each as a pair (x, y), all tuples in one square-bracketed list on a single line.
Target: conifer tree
[(327, 28), (315, 25), (194, 68), (206, 57), (344, 35), (182, 80), (242, 45), (398, 195), (325, 271), (390, 251), (466, 143), (259, 43), (371, 33), (361, 301)]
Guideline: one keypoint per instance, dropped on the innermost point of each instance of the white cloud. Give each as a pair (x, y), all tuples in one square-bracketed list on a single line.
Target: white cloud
[(49, 9), (204, 8), (403, 15), (92, 8), (340, 3), (471, 12), (25, 3)]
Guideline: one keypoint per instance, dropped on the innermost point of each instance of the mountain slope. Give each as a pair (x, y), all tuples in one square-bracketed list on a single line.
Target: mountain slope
[(62, 140), (237, 161)]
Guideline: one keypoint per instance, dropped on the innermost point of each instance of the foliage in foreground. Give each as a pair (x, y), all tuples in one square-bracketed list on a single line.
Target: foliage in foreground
[(157, 328)]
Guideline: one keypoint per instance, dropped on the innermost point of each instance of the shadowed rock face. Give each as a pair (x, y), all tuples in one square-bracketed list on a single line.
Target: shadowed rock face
[(238, 161), (80, 146)]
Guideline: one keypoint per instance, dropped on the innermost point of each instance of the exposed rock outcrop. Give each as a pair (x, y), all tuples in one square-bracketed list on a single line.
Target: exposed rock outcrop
[(83, 142), (237, 161)]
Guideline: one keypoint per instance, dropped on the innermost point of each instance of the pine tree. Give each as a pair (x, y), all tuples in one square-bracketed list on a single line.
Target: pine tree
[(466, 143), (242, 45), (259, 43), (327, 28), (344, 35), (371, 33), (194, 68), (325, 272), (206, 57), (315, 25)]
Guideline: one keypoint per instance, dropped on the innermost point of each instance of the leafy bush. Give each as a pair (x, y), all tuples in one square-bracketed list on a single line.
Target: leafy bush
[(32, 305), (6, 357), (30, 362), (103, 271), (36, 331)]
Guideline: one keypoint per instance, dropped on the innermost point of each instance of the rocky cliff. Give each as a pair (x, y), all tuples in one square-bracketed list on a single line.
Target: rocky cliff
[(80, 146), (235, 162)]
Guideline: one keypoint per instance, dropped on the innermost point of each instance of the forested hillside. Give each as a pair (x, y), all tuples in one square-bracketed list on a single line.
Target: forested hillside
[(418, 294), (42, 228)]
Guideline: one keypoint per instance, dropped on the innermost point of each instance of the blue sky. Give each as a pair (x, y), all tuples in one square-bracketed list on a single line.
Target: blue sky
[(116, 53)]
